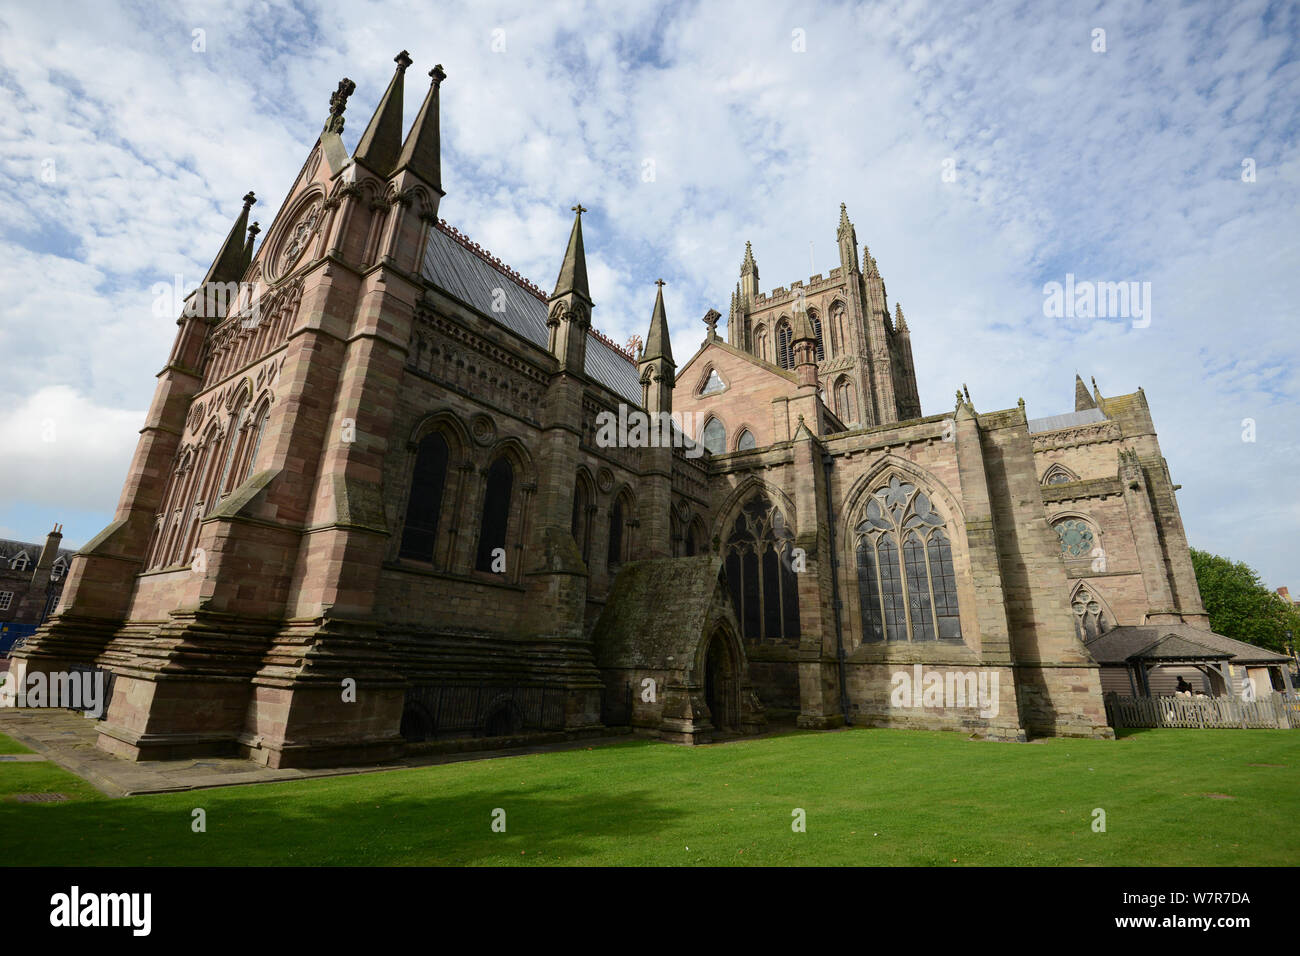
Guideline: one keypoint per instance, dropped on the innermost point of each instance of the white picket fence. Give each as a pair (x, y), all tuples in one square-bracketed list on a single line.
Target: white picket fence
[(1273, 711)]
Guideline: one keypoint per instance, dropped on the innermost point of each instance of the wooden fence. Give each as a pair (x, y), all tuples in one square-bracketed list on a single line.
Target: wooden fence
[(1273, 711)]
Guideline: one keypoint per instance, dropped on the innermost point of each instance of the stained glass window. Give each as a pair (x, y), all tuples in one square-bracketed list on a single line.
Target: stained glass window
[(907, 588), (420, 533), (496, 513), (763, 584), (715, 437), (1076, 537), (713, 383)]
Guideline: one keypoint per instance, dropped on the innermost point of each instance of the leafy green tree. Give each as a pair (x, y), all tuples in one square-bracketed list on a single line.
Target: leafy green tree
[(1239, 604)]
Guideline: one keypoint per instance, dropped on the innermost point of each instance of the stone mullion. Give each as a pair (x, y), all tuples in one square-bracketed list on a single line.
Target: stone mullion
[(472, 511), (929, 580), (444, 554), (527, 491), (902, 580)]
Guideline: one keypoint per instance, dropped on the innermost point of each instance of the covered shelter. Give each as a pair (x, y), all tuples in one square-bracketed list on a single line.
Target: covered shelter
[(1147, 660)]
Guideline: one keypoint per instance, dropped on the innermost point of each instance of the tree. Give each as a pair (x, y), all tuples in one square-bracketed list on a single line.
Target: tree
[(1239, 604)]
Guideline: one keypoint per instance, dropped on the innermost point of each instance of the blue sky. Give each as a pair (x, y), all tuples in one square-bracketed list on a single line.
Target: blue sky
[(127, 150)]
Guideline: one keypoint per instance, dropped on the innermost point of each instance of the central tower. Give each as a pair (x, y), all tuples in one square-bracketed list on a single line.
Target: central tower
[(864, 358)]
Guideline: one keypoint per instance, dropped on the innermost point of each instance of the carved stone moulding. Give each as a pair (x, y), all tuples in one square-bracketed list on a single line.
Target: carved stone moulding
[(292, 240), (483, 429), (604, 479)]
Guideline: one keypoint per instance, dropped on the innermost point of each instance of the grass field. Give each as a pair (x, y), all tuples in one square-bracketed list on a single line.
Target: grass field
[(873, 797)]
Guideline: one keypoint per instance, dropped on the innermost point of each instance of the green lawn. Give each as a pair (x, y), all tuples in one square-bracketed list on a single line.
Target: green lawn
[(871, 797)]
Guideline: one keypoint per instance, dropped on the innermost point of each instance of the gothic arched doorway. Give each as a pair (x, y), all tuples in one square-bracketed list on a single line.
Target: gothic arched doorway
[(722, 684)]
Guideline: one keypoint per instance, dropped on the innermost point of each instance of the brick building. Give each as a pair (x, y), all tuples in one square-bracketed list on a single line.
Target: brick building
[(31, 580), (372, 502)]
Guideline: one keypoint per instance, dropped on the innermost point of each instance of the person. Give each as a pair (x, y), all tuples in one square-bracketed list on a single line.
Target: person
[(1183, 686)]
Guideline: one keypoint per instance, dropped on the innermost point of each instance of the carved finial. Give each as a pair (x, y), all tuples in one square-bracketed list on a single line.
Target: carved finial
[(253, 230), (249, 199), (579, 209), (966, 391), (437, 74), (1021, 403), (403, 60), (959, 398), (660, 283), (711, 320), (338, 103)]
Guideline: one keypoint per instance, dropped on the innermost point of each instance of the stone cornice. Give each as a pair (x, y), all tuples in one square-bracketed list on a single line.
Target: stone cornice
[(1089, 488)]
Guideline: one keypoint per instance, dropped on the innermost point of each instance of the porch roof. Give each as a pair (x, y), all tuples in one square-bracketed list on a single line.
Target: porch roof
[(1172, 642)]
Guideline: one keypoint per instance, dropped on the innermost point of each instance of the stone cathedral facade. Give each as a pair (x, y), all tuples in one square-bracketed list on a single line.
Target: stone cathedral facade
[(370, 506)]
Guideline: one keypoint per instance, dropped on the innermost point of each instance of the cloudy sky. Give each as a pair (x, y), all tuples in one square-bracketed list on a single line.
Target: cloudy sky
[(129, 132)]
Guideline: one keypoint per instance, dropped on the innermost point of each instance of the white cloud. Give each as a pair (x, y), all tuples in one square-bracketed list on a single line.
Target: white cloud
[(62, 449), (1120, 166)]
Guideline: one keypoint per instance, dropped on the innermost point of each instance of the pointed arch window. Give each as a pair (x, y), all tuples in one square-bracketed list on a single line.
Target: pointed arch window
[(695, 538), (496, 513), (907, 588), (839, 333), (428, 481), (619, 513), (817, 334), (784, 350), (258, 433), (713, 383), (1058, 475), (236, 434), (581, 513), (763, 585), (1089, 618), (760, 343), (746, 440), (715, 437)]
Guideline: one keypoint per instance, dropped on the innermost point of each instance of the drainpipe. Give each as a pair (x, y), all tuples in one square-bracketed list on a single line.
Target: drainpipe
[(828, 462)]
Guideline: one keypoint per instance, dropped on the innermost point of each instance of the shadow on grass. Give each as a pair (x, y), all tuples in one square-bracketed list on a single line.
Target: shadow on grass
[(251, 827)]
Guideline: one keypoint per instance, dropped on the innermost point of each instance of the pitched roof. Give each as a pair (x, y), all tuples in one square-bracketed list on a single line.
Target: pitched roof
[(1068, 420), (467, 272), (10, 549), (1153, 642)]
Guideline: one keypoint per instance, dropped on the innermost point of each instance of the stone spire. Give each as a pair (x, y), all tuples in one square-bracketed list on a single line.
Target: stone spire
[(422, 152), (381, 143), (253, 230), (749, 266), (900, 323), (847, 237), (869, 262), (229, 264), (573, 273), (846, 227), (569, 308), (748, 291), (657, 345), (1082, 400)]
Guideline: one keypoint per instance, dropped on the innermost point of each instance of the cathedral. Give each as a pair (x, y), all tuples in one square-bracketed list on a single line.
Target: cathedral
[(372, 506)]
